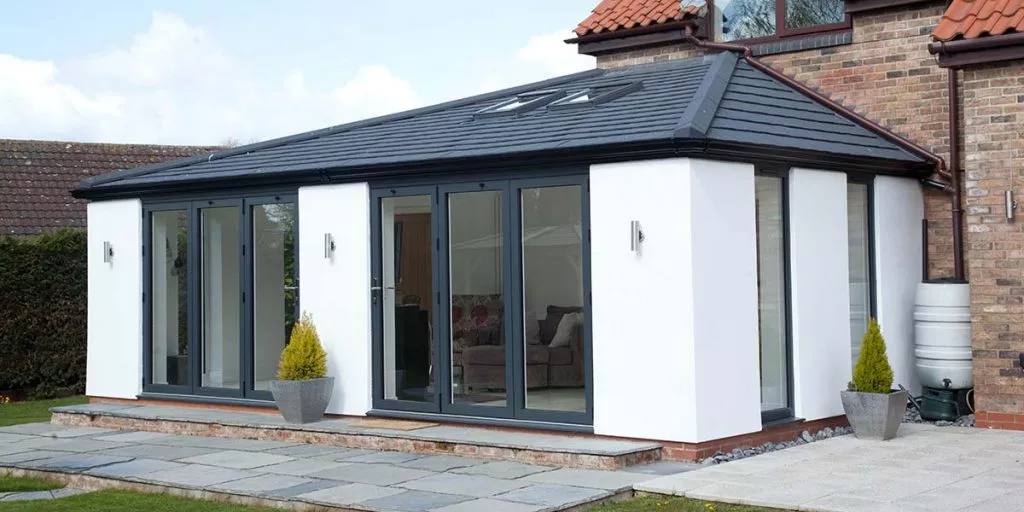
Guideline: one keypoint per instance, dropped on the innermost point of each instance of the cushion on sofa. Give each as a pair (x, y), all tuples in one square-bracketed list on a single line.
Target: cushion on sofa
[(549, 325)]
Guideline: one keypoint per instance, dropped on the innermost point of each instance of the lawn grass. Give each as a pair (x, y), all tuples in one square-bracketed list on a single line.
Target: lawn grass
[(10, 483), (671, 504), (124, 501), (34, 411)]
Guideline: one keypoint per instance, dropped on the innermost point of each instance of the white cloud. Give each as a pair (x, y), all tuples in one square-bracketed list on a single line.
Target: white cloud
[(542, 56), (175, 84)]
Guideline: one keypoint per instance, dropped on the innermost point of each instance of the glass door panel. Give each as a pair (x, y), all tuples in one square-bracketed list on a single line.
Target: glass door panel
[(220, 297), (553, 320), (169, 281), (478, 348), (406, 296), (858, 228), (274, 287)]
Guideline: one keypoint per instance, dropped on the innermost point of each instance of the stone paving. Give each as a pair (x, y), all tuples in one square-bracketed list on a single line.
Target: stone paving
[(926, 468), (315, 474)]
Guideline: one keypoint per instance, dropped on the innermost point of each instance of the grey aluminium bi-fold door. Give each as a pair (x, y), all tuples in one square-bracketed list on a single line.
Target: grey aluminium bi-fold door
[(480, 298)]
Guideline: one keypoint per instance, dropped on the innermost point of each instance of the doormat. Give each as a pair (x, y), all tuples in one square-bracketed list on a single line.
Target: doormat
[(385, 424)]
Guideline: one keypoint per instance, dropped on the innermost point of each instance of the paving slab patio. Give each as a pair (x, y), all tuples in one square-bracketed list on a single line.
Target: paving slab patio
[(926, 468), (379, 481)]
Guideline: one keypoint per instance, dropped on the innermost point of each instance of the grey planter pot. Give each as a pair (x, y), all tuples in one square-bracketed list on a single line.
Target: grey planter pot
[(302, 401), (874, 415)]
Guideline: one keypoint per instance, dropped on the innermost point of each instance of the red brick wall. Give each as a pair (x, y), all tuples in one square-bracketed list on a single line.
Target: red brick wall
[(885, 74), (888, 75), (993, 143)]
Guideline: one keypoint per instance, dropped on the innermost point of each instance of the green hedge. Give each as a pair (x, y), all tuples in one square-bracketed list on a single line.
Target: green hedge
[(43, 313)]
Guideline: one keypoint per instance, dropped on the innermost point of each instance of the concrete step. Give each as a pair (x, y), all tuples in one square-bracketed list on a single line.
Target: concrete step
[(555, 449)]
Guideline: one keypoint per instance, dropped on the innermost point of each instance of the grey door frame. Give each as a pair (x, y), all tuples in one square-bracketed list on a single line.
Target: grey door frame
[(510, 190)]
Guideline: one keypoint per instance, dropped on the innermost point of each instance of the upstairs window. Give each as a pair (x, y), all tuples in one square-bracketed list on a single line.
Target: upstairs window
[(736, 20)]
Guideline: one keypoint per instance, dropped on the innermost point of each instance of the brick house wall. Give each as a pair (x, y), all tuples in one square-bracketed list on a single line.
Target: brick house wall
[(887, 74), (993, 110)]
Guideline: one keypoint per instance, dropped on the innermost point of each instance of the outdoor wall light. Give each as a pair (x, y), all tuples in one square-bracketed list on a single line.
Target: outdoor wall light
[(328, 245), (1011, 205), (108, 252), (636, 236)]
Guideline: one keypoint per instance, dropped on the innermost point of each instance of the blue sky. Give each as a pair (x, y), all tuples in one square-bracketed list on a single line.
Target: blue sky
[(202, 72)]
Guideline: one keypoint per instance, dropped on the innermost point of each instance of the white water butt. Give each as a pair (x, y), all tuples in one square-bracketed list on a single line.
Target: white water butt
[(942, 334)]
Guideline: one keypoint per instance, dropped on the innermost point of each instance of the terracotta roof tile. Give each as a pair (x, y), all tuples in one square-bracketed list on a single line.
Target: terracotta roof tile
[(970, 19), (612, 15), (36, 177)]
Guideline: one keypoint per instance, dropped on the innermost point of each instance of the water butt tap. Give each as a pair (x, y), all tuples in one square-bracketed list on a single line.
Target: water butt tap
[(947, 382)]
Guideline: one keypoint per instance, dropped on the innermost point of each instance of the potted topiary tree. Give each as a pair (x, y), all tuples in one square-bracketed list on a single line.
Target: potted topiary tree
[(874, 409), (303, 388)]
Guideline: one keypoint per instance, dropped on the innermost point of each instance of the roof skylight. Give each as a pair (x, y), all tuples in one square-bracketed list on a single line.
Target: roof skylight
[(522, 103), (596, 95)]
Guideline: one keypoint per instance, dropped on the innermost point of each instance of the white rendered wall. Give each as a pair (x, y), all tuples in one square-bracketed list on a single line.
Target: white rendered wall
[(114, 358), (337, 291), (899, 208), (660, 372), (819, 292), (725, 330)]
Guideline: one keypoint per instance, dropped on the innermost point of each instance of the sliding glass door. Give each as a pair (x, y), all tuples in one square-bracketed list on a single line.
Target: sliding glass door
[(221, 294), (480, 299)]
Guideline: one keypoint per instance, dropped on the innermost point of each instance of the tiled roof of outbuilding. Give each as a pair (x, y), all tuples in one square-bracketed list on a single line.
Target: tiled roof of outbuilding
[(36, 178), (970, 19), (611, 15)]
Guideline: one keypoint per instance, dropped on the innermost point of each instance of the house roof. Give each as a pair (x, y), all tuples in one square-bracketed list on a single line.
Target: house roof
[(35, 177), (971, 19), (612, 15), (708, 106)]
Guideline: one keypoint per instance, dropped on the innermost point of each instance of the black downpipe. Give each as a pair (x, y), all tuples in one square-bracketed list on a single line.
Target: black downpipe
[(924, 250)]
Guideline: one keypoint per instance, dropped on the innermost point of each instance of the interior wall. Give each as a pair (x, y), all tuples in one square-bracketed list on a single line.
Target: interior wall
[(475, 220), (898, 208), (114, 356), (819, 291), (336, 291)]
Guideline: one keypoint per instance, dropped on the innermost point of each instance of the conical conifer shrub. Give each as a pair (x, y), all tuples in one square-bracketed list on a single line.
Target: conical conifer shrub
[(873, 373), (304, 358)]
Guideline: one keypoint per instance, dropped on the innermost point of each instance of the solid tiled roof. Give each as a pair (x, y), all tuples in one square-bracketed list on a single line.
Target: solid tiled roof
[(693, 103), (611, 15), (36, 178), (970, 19)]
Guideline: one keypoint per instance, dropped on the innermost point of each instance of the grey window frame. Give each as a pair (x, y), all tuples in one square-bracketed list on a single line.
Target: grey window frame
[(782, 414), (192, 207)]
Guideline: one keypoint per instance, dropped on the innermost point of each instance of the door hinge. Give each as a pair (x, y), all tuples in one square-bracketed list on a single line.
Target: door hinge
[(243, 297), (437, 243), (243, 250), (143, 297), (438, 298)]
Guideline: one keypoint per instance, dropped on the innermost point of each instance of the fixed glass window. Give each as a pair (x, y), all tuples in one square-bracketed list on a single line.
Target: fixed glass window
[(859, 233), (169, 363), (734, 20), (772, 304)]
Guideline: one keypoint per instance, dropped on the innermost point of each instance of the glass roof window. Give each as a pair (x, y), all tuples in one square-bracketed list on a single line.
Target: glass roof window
[(521, 103), (593, 96)]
